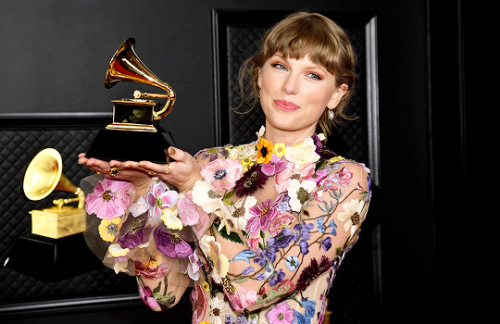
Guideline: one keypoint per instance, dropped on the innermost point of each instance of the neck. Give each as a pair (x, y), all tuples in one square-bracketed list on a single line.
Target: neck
[(287, 137)]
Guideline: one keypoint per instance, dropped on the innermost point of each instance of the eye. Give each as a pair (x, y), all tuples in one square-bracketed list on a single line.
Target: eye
[(279, 66), (314, 76)]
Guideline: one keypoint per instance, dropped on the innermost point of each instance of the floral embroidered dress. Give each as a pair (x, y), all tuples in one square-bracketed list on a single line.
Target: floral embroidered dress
[(260, 239)]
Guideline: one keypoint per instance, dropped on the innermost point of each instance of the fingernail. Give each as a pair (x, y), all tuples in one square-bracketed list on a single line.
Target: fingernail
[(171, 151)]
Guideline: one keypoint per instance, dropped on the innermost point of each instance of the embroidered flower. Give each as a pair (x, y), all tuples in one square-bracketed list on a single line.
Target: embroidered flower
[(280, 222), (137, 233), (281, 314), (343, 177), (191, 266), (239, 297), (299, 193), (276, 278), (108, 228), (217, 260), (274, 166), (292, 262), (110, 198), (159, 198), (264, 151), (241, 212), (302, 151), (262, 215), (282, 240), (283, 178), (212, 153), (172, 244), (326, 244), (352, 215), (250, 182), (312, 271), (187, 211), (279, 149), (147, 297), (170, 218), (247, 163), (204, 195), (199, 301), (331, 228), (217, 310), (222, 174), (151, 266), (139, 207)]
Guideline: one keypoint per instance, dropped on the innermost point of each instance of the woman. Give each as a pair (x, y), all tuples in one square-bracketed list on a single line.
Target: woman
[(260, 229)]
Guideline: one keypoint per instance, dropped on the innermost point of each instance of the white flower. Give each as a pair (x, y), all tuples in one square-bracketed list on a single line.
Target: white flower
[(116, 251), (299, 193), (352, 215), (218, 310), (204, 195), (240, 213), (302, 152), (139, 207)]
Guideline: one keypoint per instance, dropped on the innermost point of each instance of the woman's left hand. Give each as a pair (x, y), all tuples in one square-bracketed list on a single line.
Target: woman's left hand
[(183, 173), (140, 178)]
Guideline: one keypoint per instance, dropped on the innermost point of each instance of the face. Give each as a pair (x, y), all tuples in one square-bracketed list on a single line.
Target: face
[(294, 94)]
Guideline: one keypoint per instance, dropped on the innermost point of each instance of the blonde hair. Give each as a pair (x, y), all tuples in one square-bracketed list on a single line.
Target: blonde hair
[(295, 36)]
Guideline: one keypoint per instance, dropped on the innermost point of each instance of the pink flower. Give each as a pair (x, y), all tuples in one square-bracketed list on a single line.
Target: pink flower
[(343, 177), (199, 301), (281, 314), (262, 215), (159, 198), (274, 166), (278, 223), (147, 297), (283, 178), (239, 297), (110, 198), (222, 174), (187, 211), (253, 243)]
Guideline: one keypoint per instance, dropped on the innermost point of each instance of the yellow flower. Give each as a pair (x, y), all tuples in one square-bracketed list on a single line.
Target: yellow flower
[(264, 151), (279, 149), (247, 163), (205, 286), (205, 323), (170, 218), (108, 228), (335, 159)]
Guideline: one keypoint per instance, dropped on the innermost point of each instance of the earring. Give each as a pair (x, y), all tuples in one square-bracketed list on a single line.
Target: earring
[(259, 92), (331, 114)]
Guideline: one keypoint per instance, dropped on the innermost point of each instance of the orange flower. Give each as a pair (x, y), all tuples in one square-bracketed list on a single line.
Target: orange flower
[(264, 151)]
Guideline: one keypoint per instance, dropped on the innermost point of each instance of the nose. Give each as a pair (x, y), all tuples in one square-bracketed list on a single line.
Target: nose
[(291, 84)]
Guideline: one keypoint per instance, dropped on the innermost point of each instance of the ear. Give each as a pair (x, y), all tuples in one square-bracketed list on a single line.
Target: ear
[(337, 96)]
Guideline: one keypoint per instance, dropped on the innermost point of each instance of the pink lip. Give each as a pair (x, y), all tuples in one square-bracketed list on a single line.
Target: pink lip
[(286, 105)]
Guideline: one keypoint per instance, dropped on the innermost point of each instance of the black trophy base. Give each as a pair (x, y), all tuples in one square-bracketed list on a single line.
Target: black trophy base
[(130, 146), (51, 260)]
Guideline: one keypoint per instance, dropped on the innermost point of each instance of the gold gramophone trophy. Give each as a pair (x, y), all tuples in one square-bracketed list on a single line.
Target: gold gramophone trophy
[(133, 135), (44, 175)]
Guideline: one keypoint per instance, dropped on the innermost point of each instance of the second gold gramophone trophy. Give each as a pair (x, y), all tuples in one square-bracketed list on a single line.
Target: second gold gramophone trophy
[(134, 135)]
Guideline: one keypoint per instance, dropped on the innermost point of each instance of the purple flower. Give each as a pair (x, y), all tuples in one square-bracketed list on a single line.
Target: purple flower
[(248, 270), (171, 244), (304, 246), (282, 239), (251, 181), (303, 230), (262, 215), (277, 278), (326, 244)]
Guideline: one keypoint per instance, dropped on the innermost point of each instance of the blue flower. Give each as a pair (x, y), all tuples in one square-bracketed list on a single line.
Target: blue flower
[(283, 206), (331, 228), (292, 262), (248, 270), (303, 230)]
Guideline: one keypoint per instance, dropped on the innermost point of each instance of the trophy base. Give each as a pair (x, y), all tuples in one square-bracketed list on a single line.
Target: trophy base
[(130, 146)]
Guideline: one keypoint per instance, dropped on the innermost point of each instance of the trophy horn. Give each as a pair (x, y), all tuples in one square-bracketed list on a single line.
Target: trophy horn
[(44, 175), (125, 65)]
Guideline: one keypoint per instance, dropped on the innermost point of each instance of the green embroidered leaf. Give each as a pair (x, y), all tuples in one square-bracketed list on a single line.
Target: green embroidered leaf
[(238, 280), (228, 202), (321, 165), (233, 236), (229, 194)]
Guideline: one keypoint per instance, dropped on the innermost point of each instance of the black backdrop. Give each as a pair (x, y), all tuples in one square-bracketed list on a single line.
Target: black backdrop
[(54, 53)]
